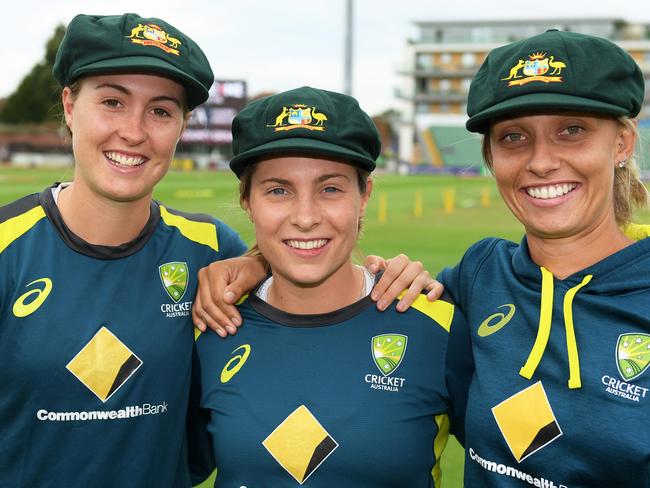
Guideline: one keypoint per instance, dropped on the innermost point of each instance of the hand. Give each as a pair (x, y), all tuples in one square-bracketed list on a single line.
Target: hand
[(221, 285), (401, 273)]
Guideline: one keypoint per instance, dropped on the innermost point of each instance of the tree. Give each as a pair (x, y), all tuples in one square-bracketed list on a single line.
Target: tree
[(37, 98)]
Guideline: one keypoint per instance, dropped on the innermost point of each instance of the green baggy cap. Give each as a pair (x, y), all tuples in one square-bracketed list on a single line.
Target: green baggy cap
[(305, 121), (128, 43), (555, 71)]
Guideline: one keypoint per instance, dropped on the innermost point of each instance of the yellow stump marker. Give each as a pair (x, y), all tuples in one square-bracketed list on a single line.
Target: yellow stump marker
[(449, 200), (485, 198), (418, 204), (382, 215)]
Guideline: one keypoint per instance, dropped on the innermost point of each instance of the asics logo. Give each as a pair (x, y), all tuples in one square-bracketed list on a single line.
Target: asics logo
[(235, 364), (38, 296), (496, 321)]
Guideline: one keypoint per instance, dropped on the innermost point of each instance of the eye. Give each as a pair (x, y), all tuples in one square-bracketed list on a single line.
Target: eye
[(161, 112), (277, 191), (513, 137), (111, 102), (572, 130), (331, 189)]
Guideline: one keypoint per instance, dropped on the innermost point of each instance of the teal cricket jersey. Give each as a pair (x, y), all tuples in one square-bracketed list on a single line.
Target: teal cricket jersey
[(561, 393), (353, 398), (96, 346)]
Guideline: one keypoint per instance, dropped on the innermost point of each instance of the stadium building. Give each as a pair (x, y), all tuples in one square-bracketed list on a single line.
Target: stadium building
[(438, 67)]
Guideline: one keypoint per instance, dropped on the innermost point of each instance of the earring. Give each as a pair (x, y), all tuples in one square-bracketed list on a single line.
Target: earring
[(622, 163)]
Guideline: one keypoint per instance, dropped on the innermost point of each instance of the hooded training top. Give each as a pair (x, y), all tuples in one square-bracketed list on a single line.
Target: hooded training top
[(96, 347), (561, 393), (353, 398)]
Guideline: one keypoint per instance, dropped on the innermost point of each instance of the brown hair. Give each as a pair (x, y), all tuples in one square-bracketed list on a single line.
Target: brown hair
[(245, 190), (629, 191)]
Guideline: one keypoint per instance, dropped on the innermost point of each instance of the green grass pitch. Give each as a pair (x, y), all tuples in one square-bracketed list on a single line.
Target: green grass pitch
[(437, 237)]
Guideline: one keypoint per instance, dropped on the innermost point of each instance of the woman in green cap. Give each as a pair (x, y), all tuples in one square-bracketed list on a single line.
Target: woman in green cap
[(98, 279), (559, 323), (319, 385)]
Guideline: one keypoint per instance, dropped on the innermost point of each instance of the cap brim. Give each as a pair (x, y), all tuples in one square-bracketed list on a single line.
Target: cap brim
[(535, 102), (195, 91), (300, 146)]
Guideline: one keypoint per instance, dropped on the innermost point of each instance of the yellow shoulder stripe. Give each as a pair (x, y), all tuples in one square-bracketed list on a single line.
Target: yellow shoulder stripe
[(201, 232), (12, 229), (441, 312), (636, 232)]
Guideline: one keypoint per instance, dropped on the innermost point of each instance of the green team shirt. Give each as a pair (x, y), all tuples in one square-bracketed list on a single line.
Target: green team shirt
[(353, 398), (96, 347)]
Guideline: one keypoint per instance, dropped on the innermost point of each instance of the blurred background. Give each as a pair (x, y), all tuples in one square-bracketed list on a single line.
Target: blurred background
[(409, 63)]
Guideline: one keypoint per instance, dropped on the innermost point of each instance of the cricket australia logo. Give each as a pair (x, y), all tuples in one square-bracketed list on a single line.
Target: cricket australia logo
[(299, 116), (174, 278), (388, 351), (632, 360)]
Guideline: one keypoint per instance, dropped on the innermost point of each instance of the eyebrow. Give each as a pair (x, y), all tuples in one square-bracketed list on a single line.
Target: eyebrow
[(320, 179), (126, 91)]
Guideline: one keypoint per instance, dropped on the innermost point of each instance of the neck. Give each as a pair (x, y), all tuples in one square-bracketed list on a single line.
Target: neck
[(339, 290), (101, 221), (568, 255)]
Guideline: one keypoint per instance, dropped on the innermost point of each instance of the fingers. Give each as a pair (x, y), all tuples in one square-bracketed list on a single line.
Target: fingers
[(399, 275), (436, 289), (421, 282), (209, 307), (374, 263)]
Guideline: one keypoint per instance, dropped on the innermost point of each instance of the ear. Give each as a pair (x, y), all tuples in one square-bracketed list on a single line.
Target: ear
[(366, 196), (67, 100), (625, 140), (247, 208)]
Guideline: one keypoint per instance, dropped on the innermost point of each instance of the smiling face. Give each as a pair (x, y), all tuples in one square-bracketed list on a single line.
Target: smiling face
[(124, 133), (556, 172), (306, 213)]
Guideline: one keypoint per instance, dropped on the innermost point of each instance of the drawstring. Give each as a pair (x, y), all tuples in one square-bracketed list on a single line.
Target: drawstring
[(571, 345), (544, 330)]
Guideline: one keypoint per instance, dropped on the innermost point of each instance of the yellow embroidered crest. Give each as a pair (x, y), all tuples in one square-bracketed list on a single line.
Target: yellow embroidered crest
[(299, 116), (153, 35), (535, 68)]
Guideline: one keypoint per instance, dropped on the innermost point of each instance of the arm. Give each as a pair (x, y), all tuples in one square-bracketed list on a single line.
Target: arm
[(223, 283)]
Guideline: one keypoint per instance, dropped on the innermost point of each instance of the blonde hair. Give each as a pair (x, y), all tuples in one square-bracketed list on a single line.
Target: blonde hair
[(245, 191), (630, 193)]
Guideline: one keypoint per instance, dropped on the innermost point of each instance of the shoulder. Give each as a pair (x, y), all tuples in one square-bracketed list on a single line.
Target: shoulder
[(440, 312), (203, 229), (19, 217)]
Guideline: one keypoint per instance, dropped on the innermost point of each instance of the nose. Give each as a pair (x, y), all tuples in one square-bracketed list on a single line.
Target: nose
[(306, 212), (132, 129), (542, 160)]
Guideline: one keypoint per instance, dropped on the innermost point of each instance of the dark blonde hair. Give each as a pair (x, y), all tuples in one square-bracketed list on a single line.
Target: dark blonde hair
[(245, 191), (630, 193)]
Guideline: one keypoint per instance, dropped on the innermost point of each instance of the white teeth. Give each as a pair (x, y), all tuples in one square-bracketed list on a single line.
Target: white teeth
[(124, 160), (307, 244), (551, 191)]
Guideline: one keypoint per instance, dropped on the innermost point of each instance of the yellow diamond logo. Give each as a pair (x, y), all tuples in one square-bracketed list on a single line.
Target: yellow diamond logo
[(527, 421), (300, 444), (104, 364)]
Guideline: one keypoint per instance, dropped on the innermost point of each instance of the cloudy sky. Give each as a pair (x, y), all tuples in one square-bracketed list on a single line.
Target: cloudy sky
[(280, 44)]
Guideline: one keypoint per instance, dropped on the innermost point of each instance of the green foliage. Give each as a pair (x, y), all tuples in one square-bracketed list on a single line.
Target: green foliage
[(37, 98)]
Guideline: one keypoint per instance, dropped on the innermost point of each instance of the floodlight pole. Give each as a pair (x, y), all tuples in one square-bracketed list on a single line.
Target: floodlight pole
[(349, 14)]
